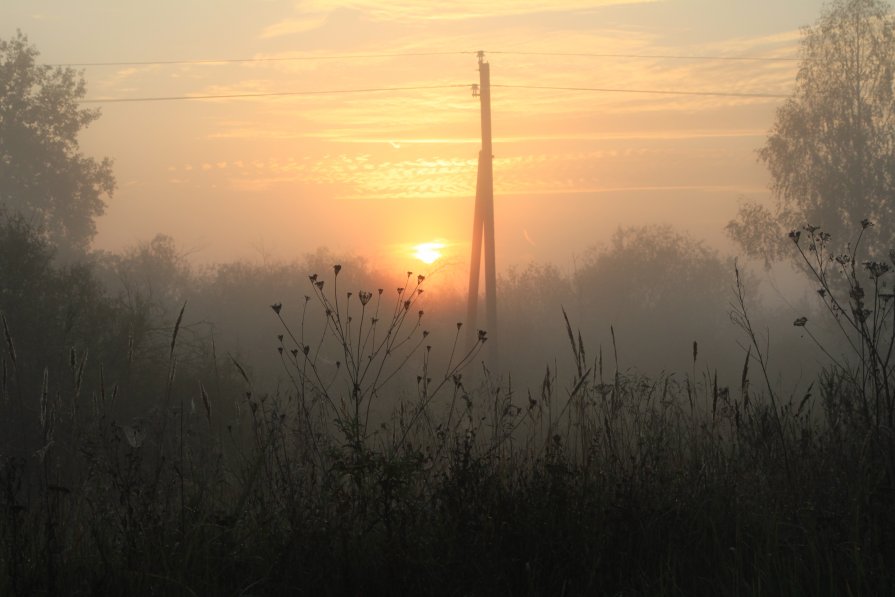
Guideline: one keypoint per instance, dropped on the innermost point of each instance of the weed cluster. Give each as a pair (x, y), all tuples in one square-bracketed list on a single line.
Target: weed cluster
[(370, 473)]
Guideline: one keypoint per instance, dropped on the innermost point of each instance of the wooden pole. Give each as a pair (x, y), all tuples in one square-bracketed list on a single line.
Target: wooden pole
[(483, 226)]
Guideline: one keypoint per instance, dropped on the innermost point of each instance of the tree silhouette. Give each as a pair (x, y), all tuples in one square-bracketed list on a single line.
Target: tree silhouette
[(661, 290), (43, 175), (831, 151)]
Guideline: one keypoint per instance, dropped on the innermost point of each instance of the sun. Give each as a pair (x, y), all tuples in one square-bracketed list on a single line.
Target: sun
[(428, 252)]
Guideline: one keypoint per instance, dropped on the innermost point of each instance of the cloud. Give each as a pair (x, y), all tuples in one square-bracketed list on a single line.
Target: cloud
[(313, 14), (546, 141), (294, 25), (459, 9), (649, 134)]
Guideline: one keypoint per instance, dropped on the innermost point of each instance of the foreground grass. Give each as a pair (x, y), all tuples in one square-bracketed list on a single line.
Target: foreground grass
[(354, 480), (609, 489)]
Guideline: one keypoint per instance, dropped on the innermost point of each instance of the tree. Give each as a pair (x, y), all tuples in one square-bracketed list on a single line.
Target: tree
[(532, 330), (831, 151), (43, 175), (48, 310), (661, 290)]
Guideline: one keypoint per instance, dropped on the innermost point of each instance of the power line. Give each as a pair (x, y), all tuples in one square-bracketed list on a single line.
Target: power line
[(211, 61), (426, 87), (249, 60), (170, 98), (421, 87), (651, 56), (403, 54), (648, 91)]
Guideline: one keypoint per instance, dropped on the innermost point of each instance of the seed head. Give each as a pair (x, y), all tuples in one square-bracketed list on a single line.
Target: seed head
[(876, 268)]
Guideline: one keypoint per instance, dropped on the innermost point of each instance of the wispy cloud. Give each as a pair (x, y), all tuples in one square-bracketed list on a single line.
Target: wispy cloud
[(313, 13), (462, 9), (423, 144), (294, 25), (388, 175)]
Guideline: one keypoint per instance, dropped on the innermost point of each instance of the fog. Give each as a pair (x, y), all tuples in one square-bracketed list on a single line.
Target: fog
[(637, 304), (244, 348)]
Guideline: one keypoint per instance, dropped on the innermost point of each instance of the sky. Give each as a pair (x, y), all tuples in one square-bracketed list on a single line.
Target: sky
[(375, 173)]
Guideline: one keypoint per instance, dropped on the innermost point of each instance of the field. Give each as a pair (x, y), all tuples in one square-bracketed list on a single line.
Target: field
[(166, 466)]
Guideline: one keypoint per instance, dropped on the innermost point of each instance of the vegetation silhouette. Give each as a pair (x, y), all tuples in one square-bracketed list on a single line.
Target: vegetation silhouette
[(830, 150), (43, 175), (271, 429)]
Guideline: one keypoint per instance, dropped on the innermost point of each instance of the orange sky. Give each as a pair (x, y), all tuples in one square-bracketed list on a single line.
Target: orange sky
[(377, 173)]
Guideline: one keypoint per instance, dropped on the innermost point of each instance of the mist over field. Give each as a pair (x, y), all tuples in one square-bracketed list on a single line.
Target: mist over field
[(384, 298)]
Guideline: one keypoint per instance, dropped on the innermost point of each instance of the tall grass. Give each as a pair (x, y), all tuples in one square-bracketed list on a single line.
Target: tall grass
[(394, 463)]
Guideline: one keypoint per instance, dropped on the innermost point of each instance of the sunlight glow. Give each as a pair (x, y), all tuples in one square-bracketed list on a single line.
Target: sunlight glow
[(428, 252)]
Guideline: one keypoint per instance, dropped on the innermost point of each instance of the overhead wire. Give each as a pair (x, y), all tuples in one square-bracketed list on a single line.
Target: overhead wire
[(212, 61), (426, 87), (646, 91), (651, 56), (169, 98)]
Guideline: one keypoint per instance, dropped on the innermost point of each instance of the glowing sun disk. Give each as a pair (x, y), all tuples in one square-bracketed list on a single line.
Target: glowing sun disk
[(428, 252)]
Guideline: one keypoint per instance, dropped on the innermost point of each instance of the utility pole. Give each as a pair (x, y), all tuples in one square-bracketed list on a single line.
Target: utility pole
[(483, 225)]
